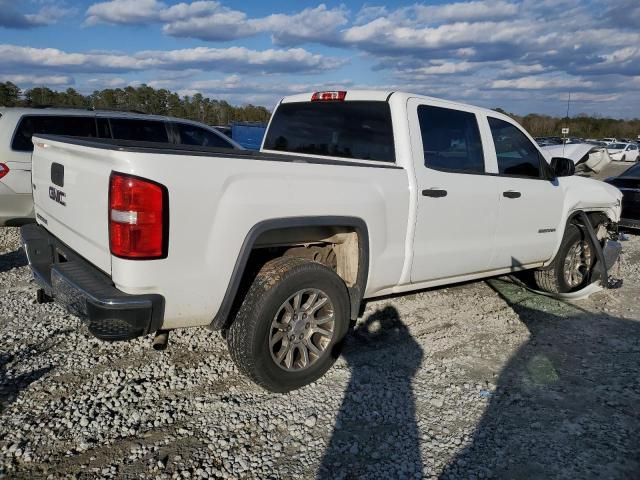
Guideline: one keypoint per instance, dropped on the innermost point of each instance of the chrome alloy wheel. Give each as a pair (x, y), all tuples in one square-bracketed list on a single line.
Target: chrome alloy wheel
[(302, 330), (577, 263)]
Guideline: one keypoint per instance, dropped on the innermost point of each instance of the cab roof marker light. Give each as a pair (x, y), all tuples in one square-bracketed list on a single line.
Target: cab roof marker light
[(331, 96)]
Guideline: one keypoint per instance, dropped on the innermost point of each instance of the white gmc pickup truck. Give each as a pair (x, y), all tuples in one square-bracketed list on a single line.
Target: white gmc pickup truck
[(354, 195)]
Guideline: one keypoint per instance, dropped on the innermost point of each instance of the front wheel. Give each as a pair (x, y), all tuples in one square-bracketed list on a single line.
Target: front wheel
[(291, 324), (571, 269)]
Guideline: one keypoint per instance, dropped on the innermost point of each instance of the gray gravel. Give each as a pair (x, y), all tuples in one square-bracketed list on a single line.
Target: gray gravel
[(482, 380)]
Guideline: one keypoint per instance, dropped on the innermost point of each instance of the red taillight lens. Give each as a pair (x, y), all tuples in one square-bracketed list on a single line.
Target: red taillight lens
[(137, 217), (328, 96), (3, 170)]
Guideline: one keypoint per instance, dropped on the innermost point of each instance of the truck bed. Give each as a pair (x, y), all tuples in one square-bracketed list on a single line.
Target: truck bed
[(136, 146)]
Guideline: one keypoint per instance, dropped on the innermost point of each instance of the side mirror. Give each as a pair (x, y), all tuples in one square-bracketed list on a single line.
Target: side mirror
[(562, 167)]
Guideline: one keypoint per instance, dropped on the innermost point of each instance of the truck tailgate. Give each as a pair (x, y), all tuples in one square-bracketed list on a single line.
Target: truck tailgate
[(71, 195)]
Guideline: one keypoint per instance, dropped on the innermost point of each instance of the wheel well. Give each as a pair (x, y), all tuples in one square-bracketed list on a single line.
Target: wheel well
[(335, 247), (340, 243)]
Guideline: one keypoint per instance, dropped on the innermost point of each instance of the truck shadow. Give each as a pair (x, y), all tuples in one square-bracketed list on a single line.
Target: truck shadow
[(11, 260), (567, 405), (376, 433)]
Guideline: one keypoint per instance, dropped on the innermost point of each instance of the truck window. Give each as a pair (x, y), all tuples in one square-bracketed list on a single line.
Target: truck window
[(194, 135), (359, 130), (74, 126), (139, 130), (516, 154), (450, 140)]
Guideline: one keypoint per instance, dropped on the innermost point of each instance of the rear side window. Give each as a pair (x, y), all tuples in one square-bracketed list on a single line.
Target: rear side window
[(194, 135), (74, 126), (516, 154), (359, 130), (451, 140), (139, 130)]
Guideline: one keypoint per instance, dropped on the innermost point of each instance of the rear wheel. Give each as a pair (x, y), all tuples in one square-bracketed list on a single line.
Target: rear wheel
[(291, 324), (571, 269)]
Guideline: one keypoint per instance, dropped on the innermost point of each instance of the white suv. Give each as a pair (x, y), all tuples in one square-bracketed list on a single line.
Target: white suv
[(17, 125)]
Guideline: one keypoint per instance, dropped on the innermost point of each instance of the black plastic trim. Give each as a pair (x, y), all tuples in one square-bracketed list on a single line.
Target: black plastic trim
[(168, 148), (356, 292), (87, 292)]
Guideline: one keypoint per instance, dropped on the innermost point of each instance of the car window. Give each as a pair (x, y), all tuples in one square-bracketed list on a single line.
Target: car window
[(516, 154), (450, 140), (356, 129), (74, 126), (139, 130), (104, 130), (194, 135), (616, 146)]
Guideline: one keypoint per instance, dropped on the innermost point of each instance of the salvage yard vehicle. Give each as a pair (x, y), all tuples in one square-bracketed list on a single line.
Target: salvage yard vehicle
[(624, 152), (629, 184), (585, 156), (354, 195), (18, 125)]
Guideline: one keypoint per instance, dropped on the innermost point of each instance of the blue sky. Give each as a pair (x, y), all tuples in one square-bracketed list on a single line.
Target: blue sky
[(525, 56)]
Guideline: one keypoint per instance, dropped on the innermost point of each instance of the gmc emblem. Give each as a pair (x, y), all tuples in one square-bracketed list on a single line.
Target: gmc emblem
[(57, 196)]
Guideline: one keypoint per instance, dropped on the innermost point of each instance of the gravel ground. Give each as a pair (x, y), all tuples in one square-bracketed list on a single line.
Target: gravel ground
[(482, 380)]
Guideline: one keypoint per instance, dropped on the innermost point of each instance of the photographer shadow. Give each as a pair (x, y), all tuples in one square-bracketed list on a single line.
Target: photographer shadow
[(376, 433), (567, 404)]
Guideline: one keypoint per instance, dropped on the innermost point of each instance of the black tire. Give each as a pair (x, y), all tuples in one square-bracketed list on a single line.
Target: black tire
[(624, 158), (248, 336), (552, 278)]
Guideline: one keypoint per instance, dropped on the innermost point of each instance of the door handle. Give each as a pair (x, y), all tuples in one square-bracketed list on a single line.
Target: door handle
[(434, 192), (511, 194)]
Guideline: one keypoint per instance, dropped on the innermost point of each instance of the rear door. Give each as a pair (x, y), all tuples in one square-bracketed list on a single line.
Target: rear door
[(531, 204), (457, 199)]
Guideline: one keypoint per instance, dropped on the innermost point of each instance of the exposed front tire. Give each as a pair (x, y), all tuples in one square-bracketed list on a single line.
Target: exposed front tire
[(571, 269), (290, 327)]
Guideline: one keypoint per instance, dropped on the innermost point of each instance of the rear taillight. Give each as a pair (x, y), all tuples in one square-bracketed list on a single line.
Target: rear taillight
[(329, 96), (3, 170), (137, 217)]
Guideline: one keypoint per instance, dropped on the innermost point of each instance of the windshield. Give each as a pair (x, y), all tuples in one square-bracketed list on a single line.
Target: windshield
[(617, 146), (339, 129)]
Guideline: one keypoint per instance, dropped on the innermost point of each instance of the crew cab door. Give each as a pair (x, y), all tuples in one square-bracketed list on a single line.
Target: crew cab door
[(457, 201), (530, 202)]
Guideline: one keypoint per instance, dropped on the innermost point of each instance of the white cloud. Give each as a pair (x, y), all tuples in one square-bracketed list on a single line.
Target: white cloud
[(32, 80), (124, 11), (542, 83), (232, 59)]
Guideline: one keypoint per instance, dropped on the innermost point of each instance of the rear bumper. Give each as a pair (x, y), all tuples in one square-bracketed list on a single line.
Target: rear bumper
[(87, 292)]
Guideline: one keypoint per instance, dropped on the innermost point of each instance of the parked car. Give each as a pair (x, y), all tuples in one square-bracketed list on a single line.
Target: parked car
[(624, 152), (609, 140), (18, 125), (628, 183), (354, 195), (586, 156)]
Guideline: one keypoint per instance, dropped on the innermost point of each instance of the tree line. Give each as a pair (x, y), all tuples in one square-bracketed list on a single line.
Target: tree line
[(146, 99), (581, 126), (142, 99)]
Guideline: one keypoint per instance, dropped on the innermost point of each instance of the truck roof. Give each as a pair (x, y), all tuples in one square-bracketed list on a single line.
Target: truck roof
[(19, 111), (382, 96)]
